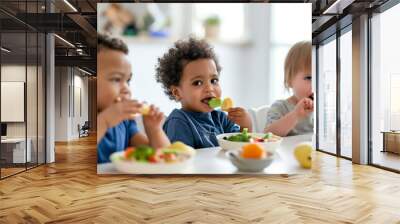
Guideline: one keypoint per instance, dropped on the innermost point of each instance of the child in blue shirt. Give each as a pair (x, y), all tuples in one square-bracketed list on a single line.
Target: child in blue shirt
[(189, 73), (116, 128)]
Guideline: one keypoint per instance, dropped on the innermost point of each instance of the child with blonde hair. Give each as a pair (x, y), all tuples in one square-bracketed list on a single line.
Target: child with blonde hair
[(294, 115)]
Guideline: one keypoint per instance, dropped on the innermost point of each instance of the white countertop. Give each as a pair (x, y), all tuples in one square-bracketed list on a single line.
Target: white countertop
[(214, 161), (13, 140)]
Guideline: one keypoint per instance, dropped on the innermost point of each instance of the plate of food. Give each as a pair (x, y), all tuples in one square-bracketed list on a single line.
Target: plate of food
[(231, 141), (175, 158)]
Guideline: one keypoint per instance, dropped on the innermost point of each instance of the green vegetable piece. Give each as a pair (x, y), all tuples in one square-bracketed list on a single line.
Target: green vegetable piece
[(143, 152), (173, 151), (268, 135), (215, 102), (234, 138), (245, 137)]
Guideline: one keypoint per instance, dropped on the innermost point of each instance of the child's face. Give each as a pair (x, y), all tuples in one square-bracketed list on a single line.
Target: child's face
[(199, 83), (114, 74), (301, 84)]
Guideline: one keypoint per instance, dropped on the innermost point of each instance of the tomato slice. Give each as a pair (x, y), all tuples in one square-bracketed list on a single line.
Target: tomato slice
[(169, 157), (259, 140), (153, 159), (128, 152)]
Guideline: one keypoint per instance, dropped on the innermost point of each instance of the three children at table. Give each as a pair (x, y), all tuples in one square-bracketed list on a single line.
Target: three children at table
[(189, 73)]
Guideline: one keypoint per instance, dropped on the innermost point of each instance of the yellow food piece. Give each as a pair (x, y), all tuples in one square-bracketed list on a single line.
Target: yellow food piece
[(253, 151), (178, 145), (145, 109), (227, 104), (302, 152), (182, 147)]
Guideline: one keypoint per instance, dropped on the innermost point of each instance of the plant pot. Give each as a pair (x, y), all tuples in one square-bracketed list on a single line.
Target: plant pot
[(211, 31)]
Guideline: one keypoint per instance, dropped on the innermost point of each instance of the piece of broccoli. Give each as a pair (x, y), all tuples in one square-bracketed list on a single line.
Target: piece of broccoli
[(143, 152)]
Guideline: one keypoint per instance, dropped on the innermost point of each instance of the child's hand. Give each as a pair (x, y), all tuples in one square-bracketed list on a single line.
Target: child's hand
[(240, 116), (119, 111), (153, 120), (304, 107)]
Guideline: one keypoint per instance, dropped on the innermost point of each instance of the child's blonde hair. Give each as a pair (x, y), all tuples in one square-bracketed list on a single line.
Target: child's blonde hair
[(297, 59)]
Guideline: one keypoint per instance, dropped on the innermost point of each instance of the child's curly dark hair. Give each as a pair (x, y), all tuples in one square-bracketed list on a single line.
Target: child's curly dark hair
[(171, 64), (104, 41)]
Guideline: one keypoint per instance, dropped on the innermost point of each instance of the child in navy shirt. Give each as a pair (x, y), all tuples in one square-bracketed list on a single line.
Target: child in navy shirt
[(116, 129), (189, 73)]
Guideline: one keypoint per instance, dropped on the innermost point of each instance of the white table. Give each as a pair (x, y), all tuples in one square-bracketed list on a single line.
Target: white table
[(18, 147), (215, 161)]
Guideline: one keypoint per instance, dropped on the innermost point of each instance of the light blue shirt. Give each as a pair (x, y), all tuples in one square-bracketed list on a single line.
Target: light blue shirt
[(116, 139)]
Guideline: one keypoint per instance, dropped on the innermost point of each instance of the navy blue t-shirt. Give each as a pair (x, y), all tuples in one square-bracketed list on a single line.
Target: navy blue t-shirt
[(116, 139), (198, 129)]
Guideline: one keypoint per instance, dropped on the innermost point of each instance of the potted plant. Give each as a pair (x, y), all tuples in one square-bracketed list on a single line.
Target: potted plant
[(211, 27)]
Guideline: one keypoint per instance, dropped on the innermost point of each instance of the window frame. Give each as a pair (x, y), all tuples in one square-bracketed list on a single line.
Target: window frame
[(371, 14), (327, 39)]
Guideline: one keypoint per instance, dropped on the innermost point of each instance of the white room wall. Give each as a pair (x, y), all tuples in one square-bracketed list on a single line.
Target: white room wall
[(77, 117), (33, 127), (144, 86), (16, 73), (252, 73), (66, 121), (61, 103), (253, 80)]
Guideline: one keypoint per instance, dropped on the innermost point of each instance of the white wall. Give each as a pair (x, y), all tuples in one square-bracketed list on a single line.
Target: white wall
[(80, 83), (33, 127), (144, 85), (61, 104), (14, 73), (254, 79), (252, 73), (67, 81)]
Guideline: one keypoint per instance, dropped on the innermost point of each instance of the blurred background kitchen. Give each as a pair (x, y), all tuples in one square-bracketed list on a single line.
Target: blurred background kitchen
[(250, 40)]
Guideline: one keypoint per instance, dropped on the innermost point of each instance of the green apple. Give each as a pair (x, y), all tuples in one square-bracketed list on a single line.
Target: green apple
[(302, 152)]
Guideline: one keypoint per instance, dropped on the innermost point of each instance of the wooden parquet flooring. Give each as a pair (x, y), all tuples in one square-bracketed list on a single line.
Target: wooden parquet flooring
[(9, 171), (70, 191)]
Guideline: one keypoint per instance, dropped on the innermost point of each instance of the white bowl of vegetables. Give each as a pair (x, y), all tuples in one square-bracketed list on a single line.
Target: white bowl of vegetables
[(146, 160), (234, 141)]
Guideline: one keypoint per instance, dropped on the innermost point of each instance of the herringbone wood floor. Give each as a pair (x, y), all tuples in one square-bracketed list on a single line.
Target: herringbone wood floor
[(70, 191)]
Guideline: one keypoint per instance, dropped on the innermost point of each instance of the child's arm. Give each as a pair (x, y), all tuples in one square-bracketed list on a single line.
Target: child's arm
[(241, 117), (285, 124), (156, 137), (115, 114)]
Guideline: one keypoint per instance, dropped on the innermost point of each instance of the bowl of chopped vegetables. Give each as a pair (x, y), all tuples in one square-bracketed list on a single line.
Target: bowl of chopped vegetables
[(232, 141), (251, 158), (144, 159)]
